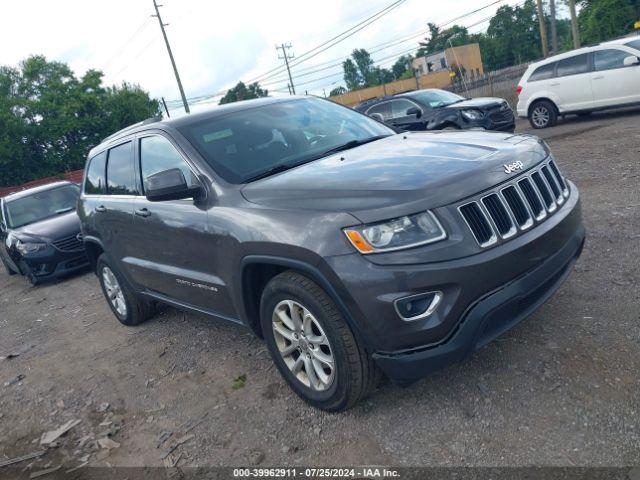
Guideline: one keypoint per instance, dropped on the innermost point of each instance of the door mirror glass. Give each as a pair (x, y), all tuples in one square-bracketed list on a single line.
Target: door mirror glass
[(169, 185), (414, 111), (631, 60), (377, 116)]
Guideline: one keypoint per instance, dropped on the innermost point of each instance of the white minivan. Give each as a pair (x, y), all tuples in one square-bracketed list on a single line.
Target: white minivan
[(581, 81)]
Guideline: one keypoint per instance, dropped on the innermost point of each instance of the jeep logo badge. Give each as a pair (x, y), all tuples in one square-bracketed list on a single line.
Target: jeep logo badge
[(512, 167)]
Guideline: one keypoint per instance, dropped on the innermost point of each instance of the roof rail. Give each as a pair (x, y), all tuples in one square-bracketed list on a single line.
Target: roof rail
[(131, 127)]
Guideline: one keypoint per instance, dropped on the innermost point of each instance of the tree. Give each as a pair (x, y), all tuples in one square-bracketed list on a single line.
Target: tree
[(601, 20), (242, 92), (50, 119), (337, 91), (401, 66), (439, 40)]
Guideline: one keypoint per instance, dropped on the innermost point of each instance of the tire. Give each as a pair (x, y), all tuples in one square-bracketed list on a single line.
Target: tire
[(543, 114), (26, 271), (354, 374), (7, 268), (128, 308)]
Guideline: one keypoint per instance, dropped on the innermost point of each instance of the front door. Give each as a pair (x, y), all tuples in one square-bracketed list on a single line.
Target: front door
[(173, 253), (611, 81), (400, 118)]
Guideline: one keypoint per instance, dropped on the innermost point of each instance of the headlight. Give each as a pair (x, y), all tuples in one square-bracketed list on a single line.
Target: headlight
[(472, 114), (396, 234), (29, 247)]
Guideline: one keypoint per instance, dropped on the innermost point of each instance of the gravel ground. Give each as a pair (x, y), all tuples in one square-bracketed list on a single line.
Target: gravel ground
[(561, 389)]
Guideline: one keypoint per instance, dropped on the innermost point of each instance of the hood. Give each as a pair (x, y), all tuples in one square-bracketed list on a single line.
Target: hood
[(431, 168), (480, 103), (51, 229)]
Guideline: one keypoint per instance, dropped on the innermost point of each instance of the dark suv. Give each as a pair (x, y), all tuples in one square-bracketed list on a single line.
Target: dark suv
[(350, 249)]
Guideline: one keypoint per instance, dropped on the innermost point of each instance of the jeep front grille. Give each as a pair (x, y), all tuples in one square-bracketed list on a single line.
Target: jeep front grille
[(516, 206)]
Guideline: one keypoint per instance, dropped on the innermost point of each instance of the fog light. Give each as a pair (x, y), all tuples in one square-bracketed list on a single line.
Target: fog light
[(418, 306)]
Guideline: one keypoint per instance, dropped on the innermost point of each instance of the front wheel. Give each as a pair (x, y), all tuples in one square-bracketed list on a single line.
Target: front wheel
[(7, 268), (312, 345), (128, 308), (543, 114)]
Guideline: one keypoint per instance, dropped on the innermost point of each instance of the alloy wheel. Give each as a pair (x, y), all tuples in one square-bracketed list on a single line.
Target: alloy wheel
[(303, 345), (540, 116), (114, 291)]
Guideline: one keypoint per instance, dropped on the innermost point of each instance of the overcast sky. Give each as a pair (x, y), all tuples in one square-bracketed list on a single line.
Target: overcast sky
[(215, 43)]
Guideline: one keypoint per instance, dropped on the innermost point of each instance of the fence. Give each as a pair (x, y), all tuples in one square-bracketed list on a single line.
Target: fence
[(499, 83)]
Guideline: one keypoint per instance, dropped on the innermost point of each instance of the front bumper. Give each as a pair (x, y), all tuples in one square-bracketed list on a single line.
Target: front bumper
[(487, 318), (51, 263), (484, 294)]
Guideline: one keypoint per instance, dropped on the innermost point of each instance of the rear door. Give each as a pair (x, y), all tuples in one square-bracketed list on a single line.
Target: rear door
[(114, 210), (611, 81), (173, 253), (572, 85)]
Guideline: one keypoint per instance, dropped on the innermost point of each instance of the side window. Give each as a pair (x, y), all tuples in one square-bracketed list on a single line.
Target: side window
[(573, 65), (95, 182), (157, 154), (542, 73), (120, 174), (399, 108), (609, 59), (634, 44), (383, 109)]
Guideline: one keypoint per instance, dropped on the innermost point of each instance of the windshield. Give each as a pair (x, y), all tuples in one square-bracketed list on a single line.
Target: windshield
[(38, 206), (436, 98), (251, 143)]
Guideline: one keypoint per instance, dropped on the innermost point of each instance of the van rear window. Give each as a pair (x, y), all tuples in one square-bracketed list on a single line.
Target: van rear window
[(543, 72)]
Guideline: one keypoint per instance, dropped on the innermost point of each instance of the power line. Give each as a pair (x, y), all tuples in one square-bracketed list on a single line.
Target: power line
[(336, 39), (126, 44)]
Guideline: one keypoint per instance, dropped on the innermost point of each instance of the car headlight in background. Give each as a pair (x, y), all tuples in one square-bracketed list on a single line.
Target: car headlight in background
[(396, 234), (30, 247), (472, 114)]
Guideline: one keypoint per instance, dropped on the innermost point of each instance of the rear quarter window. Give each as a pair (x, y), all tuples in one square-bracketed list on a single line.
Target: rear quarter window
[(543, 72), (95, 183), (573, 65)]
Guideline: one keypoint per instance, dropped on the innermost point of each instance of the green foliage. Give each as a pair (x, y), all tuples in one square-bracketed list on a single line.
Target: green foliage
[(439, 40), (402, 67), (239, 382), (337, 91), (601, 20), (50, 119), (360, 72), (243, 92)]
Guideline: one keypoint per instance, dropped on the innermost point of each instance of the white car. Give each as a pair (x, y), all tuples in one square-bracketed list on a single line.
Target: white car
[(581, 81)]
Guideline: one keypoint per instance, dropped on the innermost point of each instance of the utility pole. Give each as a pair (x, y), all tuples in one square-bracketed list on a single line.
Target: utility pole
[(575, 33), (543, 29), (173, 62), (554, 30), (286, 56)]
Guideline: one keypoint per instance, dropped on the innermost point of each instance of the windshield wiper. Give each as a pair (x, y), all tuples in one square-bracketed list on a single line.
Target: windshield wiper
[(63, 210), (351, 144), (273, 170)]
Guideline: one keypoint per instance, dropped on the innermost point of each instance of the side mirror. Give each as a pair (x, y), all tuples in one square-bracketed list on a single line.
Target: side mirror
[(169, 185), (414, 111), (3, 227), (377, 116), (631, 60)]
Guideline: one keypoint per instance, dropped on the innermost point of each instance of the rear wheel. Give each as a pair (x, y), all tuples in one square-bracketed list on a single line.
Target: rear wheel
[(128, 308), (312, 346), (543, 114)]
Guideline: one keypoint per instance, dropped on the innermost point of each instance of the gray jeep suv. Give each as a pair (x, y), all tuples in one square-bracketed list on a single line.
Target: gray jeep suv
[(352, 250)]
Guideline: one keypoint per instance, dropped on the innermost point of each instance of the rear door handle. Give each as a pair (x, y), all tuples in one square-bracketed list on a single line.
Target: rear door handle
[(143, 212), (101, 208), (599, 77), (555, 84)]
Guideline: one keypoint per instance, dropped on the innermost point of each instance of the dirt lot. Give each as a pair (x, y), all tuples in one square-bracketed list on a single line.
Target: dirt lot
[(560, 389)]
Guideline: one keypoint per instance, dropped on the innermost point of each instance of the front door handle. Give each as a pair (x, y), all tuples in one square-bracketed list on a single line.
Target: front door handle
[(101, 208), (555, 84), (599, 77), (143, 212)]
